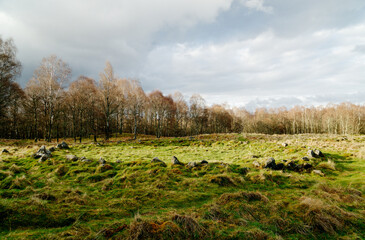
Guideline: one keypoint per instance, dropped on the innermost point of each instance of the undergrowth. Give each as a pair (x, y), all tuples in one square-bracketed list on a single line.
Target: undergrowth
[(229, 197)]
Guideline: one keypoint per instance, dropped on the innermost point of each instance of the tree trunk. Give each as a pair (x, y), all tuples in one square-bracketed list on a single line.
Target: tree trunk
[(135, 126)]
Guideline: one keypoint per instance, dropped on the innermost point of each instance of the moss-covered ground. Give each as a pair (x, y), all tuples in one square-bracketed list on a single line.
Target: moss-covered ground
[(229, 198)]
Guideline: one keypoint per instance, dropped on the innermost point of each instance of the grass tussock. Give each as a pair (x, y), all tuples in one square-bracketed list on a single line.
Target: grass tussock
[(239, 196), (222, 180), (327, 165), (323, 217), (255, 234), (149, 229)]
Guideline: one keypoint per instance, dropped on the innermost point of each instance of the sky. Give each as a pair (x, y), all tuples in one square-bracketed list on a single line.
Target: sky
[(245, 53)]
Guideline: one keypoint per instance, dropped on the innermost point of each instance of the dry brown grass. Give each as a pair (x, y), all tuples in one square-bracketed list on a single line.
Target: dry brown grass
[(323, 217), (148, 229), (191, 229), (248, 196), (256, 234), (340, 194), (327, 165), (20, 182), (16, 169)]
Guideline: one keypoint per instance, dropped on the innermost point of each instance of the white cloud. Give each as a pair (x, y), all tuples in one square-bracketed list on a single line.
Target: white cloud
[(258, 5), (266, 66)]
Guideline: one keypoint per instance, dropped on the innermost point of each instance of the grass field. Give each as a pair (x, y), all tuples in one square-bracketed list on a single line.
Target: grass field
[(229, 198)]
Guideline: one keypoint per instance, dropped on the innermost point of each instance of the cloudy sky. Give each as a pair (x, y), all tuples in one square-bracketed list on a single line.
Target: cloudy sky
[(252, 53)]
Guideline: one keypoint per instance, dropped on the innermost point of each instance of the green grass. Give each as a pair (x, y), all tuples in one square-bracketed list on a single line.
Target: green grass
[(137, 199)]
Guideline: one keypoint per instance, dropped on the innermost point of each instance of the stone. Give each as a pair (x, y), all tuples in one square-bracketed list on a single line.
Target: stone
[(305, 158), (156, 160), (102, 161), (118, 161), (284, 144), (256, 164), (176, 161), (192, 164), (312, 154), (307, 166), (42, 151), (315, 154), (84, 159), (255, 156), (72, 157), (270, 163), (299, 167), (318, 172), (5, 151), (279, 166), (43, 158), (318, 153), (62, 145), (52, 149), (204, 162), (291, 165)]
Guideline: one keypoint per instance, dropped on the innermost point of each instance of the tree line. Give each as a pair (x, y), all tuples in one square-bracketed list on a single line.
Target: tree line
[(53, 107)]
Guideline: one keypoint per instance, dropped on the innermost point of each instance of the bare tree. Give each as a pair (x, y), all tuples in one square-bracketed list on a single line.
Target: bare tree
[(108, 94), (51, 76), (123, 88), (10, 68), (197, 106), (136, 101)]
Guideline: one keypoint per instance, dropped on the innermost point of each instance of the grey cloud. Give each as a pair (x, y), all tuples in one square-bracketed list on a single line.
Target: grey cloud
[(232, 51), (360, 48)]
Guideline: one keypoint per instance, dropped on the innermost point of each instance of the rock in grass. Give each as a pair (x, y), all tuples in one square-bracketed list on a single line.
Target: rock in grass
[(72, 157), (318, 153), (102, 161), (291, 165), (318, 172), (307, 166), (312, 154), (43, 158), (5, 151), (84, 159), (52, 149), (118, 161), (204, 162), (192, 164), (299, 167), (62, 145), (279, 166), (315, 154), (42, 152), (176, 161), (284, 144), (156, 160), (270, 163), (305, 159)]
